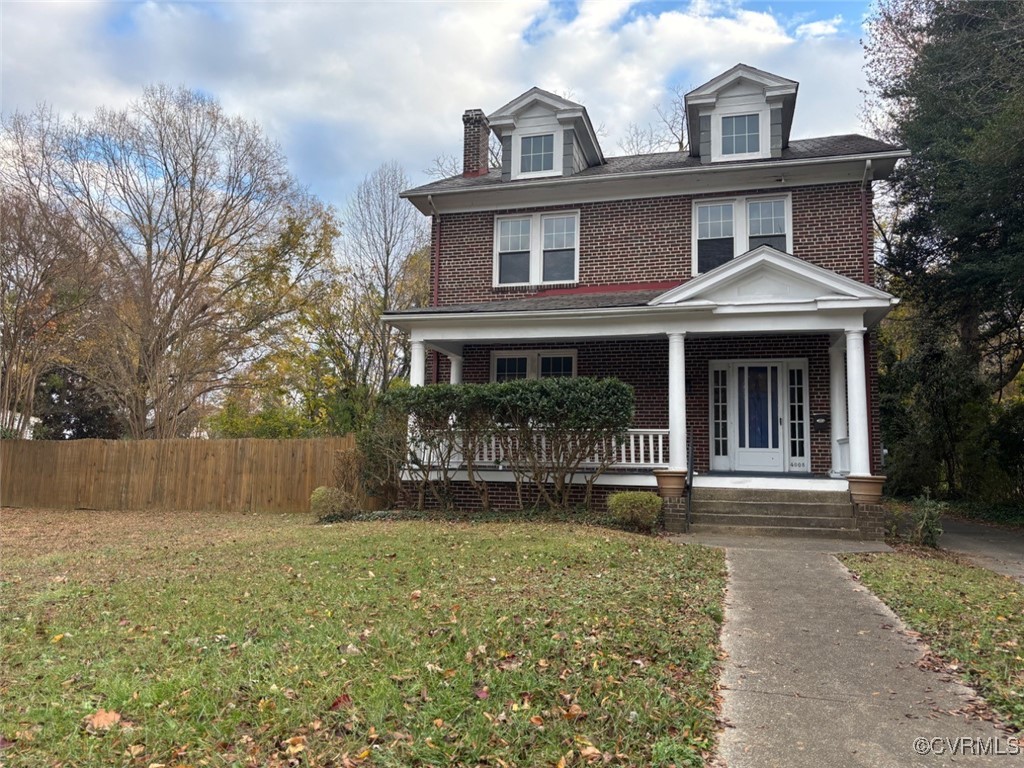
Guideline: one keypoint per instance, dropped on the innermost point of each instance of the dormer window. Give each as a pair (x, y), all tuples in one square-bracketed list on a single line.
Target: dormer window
[(741, 135), (538, 153)]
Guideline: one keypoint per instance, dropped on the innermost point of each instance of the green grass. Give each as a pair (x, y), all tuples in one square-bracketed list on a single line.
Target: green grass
[(254, 640), (971, 617)]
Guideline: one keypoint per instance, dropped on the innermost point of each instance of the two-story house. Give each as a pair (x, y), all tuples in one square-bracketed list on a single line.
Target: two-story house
[(732, 285)]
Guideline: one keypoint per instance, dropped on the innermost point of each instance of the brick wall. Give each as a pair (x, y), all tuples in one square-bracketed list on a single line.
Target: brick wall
[(648, 240), (503, 495)]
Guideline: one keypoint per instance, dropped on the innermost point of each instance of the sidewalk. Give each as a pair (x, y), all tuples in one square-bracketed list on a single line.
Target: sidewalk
[(819, 675), (998, 549)]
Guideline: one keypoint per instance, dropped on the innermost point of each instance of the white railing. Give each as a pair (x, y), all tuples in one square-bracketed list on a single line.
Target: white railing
[(641, 448)]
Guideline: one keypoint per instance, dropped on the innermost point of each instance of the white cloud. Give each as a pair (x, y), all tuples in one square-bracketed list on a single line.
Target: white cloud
[(346, 86), (820, 28)]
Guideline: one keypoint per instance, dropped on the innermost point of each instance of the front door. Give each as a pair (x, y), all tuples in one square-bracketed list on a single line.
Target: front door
[(759, 416)]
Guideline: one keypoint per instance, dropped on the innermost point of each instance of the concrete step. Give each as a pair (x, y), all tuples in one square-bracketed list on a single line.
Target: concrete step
[(792, 508), (772, 530), (773, 521), (771, 495)]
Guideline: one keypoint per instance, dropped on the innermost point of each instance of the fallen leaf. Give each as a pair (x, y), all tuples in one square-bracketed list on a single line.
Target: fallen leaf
[(102, 720), (482, 693), (57, 638), (295, 744), (416, 594), (342, 702), (575, 712)]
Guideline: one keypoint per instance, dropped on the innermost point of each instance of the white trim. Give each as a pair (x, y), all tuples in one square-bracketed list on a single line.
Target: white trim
[(536, 247), (668, 182), (757, 107), (556, 152), (772, 483), (533, 358), (740, 235)]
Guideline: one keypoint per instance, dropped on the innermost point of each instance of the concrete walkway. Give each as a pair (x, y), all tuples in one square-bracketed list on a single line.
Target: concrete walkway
[(819, 673), (998, 549)]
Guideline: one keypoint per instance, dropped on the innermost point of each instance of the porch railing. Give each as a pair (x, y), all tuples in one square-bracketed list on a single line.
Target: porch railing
[(639, 449)]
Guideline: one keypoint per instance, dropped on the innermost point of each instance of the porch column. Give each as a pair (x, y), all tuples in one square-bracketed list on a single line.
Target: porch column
[(417, 363), (857, 399), (455, 361), (676, 402), (837, 397)]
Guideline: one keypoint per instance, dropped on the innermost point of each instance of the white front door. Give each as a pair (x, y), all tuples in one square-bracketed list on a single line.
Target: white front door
[(759, 416)]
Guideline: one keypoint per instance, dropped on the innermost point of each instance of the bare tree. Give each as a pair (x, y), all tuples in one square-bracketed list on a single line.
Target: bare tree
[(668, 134), (384, 241), (446, 166), (207, 241), (47, 282)]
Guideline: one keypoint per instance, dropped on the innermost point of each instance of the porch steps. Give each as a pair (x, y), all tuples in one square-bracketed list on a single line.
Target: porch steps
[(827, 514)]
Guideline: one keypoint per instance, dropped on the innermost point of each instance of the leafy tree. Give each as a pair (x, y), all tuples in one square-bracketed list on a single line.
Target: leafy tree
[(946, 82), (47, 284), (207, 243), (70, 408)]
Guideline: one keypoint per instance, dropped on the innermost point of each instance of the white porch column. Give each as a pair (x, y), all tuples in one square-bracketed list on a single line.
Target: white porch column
[(676, 402), (857, 399), (455, 361), (837, 397), (417, 363)]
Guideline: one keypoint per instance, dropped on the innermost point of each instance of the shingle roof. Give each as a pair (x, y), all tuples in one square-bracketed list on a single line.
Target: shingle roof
[(799, 149), (553, 303)]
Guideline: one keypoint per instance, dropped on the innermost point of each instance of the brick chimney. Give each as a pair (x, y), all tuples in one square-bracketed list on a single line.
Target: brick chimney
[(476, 134)]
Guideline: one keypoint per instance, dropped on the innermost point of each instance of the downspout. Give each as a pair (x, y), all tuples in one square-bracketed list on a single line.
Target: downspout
[(866, 248), (865, 184), (437, 272)]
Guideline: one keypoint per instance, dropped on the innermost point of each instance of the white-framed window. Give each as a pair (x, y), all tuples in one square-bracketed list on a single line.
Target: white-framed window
[(741, 134), (537, 153), (536, 249), (741, 131), (508, 365), (725, 229)]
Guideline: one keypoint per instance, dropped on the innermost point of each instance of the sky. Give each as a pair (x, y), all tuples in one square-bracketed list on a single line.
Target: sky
[(346, 86)]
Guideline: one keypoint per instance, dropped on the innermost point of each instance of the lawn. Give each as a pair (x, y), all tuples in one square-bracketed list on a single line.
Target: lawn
[(225, 639), (971, 617)]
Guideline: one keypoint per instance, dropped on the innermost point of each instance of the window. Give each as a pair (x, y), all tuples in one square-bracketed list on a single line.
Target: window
[(725, 229), (537, 153), (537, 249), (740, 135), (540, 364)]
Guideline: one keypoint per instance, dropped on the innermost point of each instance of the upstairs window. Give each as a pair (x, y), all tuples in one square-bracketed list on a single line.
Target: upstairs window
[(724, 229), (741, 135), (714, 235), (536, 249), (537, 153), (535, 364)]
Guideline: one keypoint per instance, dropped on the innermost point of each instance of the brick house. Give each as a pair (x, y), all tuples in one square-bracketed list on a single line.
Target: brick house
[(732, 285)]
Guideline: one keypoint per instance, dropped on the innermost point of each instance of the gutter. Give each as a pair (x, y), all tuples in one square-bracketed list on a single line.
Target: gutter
[(577, 179), (865, 183), (436, 258)]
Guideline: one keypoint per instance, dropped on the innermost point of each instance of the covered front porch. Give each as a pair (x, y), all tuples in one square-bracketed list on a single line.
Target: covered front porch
[(756, 374)]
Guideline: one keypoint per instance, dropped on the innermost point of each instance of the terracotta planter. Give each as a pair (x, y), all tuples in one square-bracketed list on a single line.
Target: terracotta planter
[(866, 489), (671, 483)]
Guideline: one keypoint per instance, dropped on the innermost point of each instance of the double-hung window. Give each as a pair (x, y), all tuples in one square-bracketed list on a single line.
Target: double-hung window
[(536, 249), (741, 134), (533, 364), (725, 229), (537, 153)]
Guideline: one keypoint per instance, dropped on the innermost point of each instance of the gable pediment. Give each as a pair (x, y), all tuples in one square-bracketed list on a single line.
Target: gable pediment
[(766, 276)]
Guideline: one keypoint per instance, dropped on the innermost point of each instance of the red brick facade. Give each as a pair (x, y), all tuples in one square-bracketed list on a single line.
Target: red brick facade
[(649, 240)]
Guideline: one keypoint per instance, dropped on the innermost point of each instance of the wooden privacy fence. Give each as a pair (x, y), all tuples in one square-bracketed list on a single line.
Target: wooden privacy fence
[(225, 475)]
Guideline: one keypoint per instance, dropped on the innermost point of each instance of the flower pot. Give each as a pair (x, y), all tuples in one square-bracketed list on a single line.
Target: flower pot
[(671, 483), (866, 489)]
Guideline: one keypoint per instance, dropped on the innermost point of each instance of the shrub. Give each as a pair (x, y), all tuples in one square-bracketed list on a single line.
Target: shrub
[(333, 503), (926, 527), (639, 509)]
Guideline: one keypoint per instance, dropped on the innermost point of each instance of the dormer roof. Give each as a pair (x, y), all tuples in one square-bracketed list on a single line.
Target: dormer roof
[(568, 114), (776, 91)]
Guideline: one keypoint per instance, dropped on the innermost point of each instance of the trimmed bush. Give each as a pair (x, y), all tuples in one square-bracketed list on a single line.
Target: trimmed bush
[(639, 509), (332, 503)]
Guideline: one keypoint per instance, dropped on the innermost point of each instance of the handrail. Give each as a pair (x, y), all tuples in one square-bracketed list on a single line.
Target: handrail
[(689, 477)]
